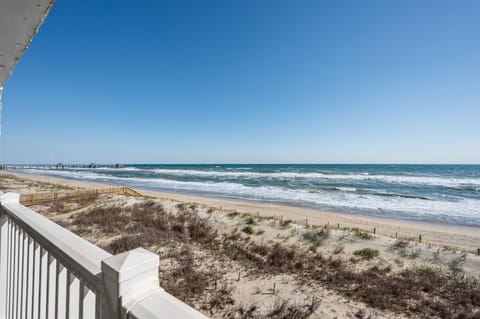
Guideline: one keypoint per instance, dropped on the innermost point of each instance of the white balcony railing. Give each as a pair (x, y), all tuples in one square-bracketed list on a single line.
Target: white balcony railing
[(47, 271)]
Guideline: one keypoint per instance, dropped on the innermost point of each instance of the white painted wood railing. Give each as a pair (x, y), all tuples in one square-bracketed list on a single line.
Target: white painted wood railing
[(47, 272)]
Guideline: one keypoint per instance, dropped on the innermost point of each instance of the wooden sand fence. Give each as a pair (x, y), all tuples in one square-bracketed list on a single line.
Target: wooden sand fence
[(38, 198)]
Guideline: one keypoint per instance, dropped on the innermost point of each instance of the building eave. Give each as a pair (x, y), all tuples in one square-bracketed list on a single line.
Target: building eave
[(19, 22)]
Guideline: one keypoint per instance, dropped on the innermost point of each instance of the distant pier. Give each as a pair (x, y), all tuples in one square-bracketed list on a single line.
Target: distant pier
[(57, 166)]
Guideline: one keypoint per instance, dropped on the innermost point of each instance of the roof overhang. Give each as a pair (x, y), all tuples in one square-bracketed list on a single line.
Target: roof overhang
[(19, 22)]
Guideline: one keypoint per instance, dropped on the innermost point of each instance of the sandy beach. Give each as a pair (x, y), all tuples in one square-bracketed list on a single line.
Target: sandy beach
[(241, 259), (461, 237)]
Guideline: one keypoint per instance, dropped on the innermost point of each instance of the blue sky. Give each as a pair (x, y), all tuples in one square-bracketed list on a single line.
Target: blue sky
[(248, 82)]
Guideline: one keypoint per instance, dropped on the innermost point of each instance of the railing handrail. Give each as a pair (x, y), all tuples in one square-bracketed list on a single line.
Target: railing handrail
[(160, 300), (74, 252)]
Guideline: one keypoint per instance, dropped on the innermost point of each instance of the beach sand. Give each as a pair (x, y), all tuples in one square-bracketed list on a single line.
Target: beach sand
[(454, 236), (248, 286)]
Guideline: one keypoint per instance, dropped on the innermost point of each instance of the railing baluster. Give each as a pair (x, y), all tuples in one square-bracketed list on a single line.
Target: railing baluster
[(28, 298), (47, 285), (81, 293), (88, 304), (10, 267), (21, 272), (36, 271), (67, 297), (61, 291), (74, 307), (43, 285), (17, 273), (3, 264), (52, 270), (23, 299)]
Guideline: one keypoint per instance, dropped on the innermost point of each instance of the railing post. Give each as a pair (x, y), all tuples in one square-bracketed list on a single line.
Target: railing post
[(128, 278), (4, 198)]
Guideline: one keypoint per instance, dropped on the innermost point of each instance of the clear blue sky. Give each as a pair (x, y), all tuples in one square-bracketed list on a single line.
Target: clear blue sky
[(248, 81)]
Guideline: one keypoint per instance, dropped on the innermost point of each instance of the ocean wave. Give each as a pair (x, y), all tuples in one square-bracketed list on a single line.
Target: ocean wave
[(245, 173), (396, 179), (346, 189), (462, 210)]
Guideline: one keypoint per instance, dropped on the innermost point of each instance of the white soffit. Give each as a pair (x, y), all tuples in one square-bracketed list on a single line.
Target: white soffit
[(19, 21)]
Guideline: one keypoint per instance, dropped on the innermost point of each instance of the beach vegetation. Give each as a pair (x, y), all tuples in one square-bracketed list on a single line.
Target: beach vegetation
[(248, 230), (233, 214), (286, 309), (416, 292), (399, 244), (362, 234), (456, 264), (367, 253), (285, 223), (338, 249), (414, 253), (316, 238), (437, 257), (250, 221)]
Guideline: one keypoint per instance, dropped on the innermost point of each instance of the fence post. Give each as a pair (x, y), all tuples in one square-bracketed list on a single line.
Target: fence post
[(128, 277)]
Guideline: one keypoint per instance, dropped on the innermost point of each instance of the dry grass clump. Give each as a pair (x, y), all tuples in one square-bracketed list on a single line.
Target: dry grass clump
[(367, 253), (144, 224), (362, 234), (147, 224), (420, 292), (192, 283), (316, 238), (423, 292), (111, 219), (67, 204), (186, 280), (282, 309), (262, 258), (285, 310)]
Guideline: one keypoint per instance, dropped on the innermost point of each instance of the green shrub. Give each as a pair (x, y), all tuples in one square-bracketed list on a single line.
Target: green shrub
[(414, 253), (456, 264), (285, 223), (313, 248), (367, 253), (362, 234), (399, 244), (316, 238), (250, 221), (233, 214), (248, 230)]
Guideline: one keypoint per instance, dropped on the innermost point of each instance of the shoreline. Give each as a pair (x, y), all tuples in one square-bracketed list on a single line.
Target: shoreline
[(450, 235)]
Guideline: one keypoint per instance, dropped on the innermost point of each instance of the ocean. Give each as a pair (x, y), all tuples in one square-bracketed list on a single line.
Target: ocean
[(433, 193)]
